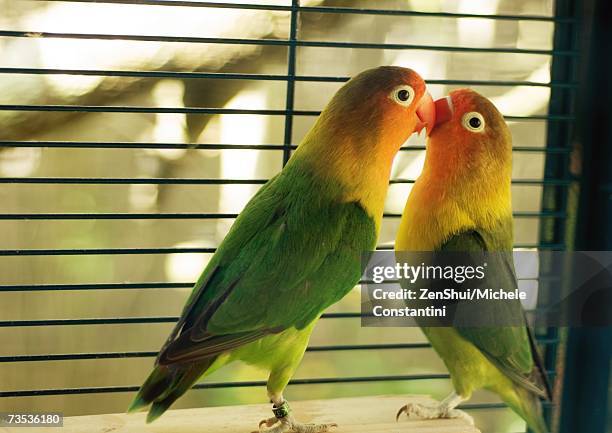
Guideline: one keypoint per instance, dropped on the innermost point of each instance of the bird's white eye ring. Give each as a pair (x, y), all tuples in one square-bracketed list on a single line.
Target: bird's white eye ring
[(473, 121), (403, 95)]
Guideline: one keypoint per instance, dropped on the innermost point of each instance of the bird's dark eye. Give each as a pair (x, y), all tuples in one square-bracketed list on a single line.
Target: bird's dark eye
[(403, 95), (473, 121)]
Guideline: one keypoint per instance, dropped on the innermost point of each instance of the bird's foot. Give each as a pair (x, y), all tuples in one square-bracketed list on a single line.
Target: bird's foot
[(268, 422), (422, 411), (283, 422)]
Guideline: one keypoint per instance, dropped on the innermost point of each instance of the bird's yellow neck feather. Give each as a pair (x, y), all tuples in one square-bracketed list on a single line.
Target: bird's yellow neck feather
[(439, 208), (363, 176)]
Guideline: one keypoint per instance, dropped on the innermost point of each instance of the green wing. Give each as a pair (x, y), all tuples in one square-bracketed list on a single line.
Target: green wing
[(292, 252), (511, 348)]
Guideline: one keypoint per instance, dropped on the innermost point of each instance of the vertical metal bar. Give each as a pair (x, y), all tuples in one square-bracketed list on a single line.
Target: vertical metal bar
[(291, 60), (559, 133), (553, 198)]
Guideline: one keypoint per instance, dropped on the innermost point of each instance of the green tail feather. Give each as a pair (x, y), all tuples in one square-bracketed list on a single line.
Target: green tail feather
[(156, 384), (164, 386), (157, 410), (529, 407), (136, 404), (182, 383)]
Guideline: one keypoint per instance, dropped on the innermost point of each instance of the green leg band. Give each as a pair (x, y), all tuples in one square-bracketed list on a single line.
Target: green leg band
[(281, 411)]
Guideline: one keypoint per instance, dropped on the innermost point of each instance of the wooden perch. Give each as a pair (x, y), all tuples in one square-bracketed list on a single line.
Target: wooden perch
[(358, 415)]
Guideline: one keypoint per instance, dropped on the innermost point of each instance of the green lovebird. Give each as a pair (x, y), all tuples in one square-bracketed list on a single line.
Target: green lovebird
[(296, 247), (461, 203)]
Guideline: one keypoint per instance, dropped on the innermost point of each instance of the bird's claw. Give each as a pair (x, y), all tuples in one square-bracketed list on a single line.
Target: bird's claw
[(420, 411), (311, 428), (283, 421), (285, 425), (403, 409), (271, 428), (268, 422)]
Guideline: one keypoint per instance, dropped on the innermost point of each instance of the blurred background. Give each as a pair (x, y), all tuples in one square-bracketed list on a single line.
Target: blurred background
[(84, 133)]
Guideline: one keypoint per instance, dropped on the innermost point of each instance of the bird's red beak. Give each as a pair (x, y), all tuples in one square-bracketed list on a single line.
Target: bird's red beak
[(426, 113), (444, 110)]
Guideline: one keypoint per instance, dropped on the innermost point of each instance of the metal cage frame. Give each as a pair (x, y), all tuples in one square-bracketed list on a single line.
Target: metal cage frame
[(556, 181)]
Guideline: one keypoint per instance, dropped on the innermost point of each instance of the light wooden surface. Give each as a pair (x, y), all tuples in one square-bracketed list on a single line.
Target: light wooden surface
[(359, 415)]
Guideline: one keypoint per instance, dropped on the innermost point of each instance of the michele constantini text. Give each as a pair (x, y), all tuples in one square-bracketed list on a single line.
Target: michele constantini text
[(431, 295), (380, 311)]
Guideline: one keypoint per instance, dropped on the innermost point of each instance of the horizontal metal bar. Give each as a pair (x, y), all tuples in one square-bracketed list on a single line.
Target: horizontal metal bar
[(113, 251), (155, 110), (328, 9), (183, 250), (89, 321), (244, 384), (94, 286), (129, 181), (149, 74), (127, 320), (382, 346), (541, 214), (141, 145), (150, 354), (538, 149), (100, 251), (549, 182), (217, 385), (283, 42), (499, 83), (113, 216), (518, 214), (540, 245), (543, 246), (76, 356), (200, 181), (201, 110), (549, 117), (130, 320), (165, 216), (264, 77), (102, 286)]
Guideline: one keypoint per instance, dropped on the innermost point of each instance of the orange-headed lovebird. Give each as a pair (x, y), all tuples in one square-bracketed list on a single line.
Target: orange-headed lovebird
[(296, 247), (461, 202)]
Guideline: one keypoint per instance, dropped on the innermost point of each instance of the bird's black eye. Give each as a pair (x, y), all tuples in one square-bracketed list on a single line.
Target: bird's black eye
[(402, 95), (475, 122)]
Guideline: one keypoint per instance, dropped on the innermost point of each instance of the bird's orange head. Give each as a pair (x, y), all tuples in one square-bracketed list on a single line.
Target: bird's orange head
[(371, 116), (470, 140), (465, 183), (357, 135)]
